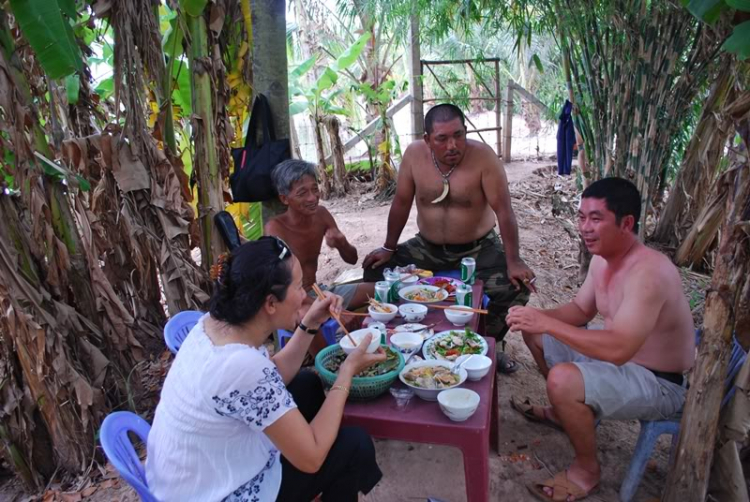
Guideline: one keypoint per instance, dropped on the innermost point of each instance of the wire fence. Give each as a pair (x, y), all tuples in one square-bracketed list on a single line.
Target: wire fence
[(525, 144)]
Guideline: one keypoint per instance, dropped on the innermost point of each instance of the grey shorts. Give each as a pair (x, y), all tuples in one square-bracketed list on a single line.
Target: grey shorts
[(345, 291), (626, 392)]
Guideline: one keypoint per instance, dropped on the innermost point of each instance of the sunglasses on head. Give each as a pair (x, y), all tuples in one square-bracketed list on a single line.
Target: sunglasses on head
[(281, 246)]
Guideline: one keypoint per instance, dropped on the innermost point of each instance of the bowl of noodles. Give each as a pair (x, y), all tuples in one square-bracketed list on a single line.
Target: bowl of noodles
[(423, 293), (429, 378)]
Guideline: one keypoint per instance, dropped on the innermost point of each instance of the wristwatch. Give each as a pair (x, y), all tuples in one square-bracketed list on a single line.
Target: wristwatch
[(307, 330)]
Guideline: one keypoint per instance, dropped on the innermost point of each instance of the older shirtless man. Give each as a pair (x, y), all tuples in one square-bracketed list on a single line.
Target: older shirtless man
[(633, 367), (460, 224), (304, 226)]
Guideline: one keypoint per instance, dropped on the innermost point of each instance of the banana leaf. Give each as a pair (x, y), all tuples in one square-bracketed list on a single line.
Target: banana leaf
[(49, 33)]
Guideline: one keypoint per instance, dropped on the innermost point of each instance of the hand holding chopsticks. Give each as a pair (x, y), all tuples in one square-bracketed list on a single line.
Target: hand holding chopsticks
[(335, 315)]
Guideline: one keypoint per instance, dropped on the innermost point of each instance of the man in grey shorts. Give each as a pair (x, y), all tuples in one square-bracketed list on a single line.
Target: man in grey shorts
[(304, 227), (633, 367)]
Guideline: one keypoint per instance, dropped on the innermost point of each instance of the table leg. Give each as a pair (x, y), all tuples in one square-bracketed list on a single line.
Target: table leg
[(495, 415), (477, 471)]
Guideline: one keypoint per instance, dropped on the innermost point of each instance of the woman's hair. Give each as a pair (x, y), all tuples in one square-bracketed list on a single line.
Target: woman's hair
[(244, 279)]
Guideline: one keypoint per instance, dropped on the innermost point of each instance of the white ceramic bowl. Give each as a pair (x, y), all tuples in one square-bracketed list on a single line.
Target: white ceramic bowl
[(477, 367), (458, 404), (413, 312), (358, 336), (383, 316), (459, 315), (406, 343), (430, 394)]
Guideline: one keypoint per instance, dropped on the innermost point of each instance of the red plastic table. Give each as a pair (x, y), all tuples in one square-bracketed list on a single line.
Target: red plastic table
[(424, 422)]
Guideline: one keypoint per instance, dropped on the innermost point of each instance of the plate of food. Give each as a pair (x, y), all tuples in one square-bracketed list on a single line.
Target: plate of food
[(447, 283), (429, 378), (450, 345), (422, 293)]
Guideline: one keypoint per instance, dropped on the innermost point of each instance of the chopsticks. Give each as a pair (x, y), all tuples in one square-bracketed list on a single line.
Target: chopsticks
[(321, 295), (453, 307), (356, 314)]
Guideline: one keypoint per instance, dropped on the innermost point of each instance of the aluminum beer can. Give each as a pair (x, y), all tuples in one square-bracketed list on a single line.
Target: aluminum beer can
[(392, 277), (468, 270), (380, 328), (382, 291), (464, 295)]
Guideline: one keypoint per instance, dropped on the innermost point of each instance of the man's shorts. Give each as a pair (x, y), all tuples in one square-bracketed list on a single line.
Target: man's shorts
[(626, 392), (345, 291)]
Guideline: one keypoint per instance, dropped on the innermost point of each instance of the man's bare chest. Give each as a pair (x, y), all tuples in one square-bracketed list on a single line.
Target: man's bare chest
[(464, 189), (305, 242)]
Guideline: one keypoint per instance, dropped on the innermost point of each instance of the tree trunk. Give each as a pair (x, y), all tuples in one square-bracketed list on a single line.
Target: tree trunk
[(270, 72), (688, 479), (698, 167), (323, 180), (386, 173), (205, 162), (415, 76), (340, 182)]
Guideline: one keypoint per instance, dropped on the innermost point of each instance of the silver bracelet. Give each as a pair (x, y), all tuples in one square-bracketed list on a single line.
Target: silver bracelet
[(389, 250)]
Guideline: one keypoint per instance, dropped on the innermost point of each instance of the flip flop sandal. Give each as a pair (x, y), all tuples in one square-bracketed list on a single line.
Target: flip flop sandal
[(562, 488), (526, 409), (505, 364)]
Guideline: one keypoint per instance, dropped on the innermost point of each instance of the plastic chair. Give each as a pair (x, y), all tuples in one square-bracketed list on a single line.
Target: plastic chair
[(651, 430), (178, 327), (120, 451), (328, 329)]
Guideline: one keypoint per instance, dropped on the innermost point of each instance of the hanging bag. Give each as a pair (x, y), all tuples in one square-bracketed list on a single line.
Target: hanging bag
[(251, 180)]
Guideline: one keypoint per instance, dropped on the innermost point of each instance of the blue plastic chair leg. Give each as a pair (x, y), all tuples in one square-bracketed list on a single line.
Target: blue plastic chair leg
[(650, 432)]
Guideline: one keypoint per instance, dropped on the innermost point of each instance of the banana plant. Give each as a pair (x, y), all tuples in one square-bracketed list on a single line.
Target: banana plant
[(380, 98), (320, 99)]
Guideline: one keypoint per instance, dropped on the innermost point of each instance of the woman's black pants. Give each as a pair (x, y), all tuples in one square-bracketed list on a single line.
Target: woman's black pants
[(350, 466)]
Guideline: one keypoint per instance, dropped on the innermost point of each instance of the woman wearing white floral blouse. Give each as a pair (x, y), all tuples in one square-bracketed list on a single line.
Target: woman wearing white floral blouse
[(236, 425)]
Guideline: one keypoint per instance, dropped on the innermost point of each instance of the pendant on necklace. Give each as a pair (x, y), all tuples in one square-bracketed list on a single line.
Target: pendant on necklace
[(446, 189)]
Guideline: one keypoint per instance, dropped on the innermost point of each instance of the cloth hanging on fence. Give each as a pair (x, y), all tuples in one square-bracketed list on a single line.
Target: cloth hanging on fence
[(566, 139)]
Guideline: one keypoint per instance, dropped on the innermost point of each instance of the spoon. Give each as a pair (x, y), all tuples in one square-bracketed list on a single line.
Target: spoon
[(457, 366)]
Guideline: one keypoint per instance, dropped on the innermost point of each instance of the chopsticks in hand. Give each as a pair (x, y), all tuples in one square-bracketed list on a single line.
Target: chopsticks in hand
[(322, 296)]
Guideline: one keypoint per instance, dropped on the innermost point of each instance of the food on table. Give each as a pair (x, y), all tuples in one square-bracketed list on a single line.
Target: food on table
[(457, 344), (424, 295), (443, 283), (380, 307), (431, 377), (391, 363)]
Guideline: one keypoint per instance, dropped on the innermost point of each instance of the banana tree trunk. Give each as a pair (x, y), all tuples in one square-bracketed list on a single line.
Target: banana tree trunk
[(688, 479), (340, 183), (323, 180), (205, 162), (699, 163)]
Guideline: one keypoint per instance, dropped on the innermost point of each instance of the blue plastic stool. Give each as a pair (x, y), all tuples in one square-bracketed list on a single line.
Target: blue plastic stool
[(119, 450), (178, 327), (651, 430), (328, 329)]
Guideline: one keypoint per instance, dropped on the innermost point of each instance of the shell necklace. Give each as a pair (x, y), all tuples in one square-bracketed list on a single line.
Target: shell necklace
[(446, 183)]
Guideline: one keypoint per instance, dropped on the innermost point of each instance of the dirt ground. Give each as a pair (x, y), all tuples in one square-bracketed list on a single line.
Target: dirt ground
[(527, 452)]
